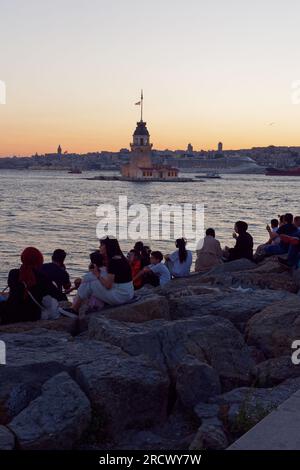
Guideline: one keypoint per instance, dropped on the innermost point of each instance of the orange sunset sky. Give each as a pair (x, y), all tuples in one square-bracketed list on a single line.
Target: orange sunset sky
[(211, 70)]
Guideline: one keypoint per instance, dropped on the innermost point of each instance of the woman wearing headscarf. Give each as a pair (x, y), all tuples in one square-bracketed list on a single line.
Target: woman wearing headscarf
[(27, 287)]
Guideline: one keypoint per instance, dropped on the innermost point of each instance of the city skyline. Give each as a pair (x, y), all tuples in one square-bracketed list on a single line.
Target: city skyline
[(210, 72)]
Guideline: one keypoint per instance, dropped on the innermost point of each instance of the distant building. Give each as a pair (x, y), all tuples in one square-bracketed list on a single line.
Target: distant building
[(220, 147), (59, 150), (190, 149), (140, 165)]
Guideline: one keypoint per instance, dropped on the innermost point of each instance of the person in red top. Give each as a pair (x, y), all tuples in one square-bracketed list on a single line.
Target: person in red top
[(135, 262)]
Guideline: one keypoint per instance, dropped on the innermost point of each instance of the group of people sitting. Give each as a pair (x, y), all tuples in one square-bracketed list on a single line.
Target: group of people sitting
[(113, 278)]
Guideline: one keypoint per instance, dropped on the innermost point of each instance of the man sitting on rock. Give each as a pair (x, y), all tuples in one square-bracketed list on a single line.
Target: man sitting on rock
[(56, 272), (244, 243), (288, 228), (294, 247)]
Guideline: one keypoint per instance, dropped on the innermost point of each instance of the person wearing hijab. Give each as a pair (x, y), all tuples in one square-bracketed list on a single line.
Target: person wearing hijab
[(25, 284)]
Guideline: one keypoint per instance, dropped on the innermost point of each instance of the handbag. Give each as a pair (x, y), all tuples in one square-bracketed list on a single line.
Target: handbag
[(50, 309)]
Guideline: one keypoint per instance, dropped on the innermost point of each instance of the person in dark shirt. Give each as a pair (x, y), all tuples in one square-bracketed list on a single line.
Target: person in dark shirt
[(57, 273), (24, 283), (288, 228), (244, 243)]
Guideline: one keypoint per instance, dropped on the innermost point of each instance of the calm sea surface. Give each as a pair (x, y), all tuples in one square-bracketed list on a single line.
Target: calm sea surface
[(58, 210)]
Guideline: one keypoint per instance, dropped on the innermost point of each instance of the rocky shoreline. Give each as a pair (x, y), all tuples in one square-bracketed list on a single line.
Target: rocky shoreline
[(192, 365)]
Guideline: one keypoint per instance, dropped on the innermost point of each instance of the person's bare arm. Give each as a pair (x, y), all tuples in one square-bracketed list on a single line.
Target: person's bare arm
[(140, 274)]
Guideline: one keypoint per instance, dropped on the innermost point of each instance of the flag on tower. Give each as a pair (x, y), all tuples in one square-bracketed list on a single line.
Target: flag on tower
[(138, 103)]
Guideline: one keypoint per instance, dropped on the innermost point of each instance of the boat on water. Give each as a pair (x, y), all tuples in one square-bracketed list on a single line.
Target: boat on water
[(210, 175), (75, 171), (283, 172)]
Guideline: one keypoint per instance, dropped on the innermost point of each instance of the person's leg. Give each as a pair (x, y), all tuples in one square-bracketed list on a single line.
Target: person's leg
[(151, 278), (275, 249)]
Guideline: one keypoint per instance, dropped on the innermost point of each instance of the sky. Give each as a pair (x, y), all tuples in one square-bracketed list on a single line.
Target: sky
[(211, 70)]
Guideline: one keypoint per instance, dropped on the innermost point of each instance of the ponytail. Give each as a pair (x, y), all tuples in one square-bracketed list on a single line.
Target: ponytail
[(180, 244)]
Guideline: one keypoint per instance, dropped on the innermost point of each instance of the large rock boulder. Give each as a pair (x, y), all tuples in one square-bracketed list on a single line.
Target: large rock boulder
[(126, 393), (149, 308), (20, 385), (7, 439), (242, 408), (43, 346), (196, 381), (274, 371), (236, 306), (209, 339), (210, 436), (64, 324), (54, 420), (275, 328), (268, 275), (242, 264)]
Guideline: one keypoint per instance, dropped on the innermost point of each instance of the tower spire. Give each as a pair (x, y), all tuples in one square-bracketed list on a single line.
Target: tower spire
[(142, 105)]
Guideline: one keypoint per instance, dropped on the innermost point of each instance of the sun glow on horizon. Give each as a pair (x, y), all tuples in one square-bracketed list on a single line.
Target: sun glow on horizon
[(210, 72)]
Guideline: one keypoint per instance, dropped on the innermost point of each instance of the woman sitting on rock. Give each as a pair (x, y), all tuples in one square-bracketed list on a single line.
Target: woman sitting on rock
[(27, 287), (116, 287), (180, 261)]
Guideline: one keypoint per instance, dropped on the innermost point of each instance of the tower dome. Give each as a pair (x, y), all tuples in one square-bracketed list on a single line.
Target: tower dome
[(141, 137)]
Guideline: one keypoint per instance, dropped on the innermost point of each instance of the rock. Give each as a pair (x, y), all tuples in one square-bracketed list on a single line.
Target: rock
[(275, 328), (233, 266), (253, 276), (205, 411), (44, 347), (296, 277), (148, 308), (7, 439), (196, 381), (64, 324), (209, 339), (244, 407), (238, 307), (176, 433), (283, 281), (20, 385), (144, 440), (257, 355), (274, 371), (127, 393), (54, 420), (211, 437)]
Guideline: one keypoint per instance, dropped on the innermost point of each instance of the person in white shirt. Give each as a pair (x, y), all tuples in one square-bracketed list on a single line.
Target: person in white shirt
[(274, 239), (157, 273), (180, 261)]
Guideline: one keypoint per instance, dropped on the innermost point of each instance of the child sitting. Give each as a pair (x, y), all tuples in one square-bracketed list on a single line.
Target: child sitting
[(156, 274)]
